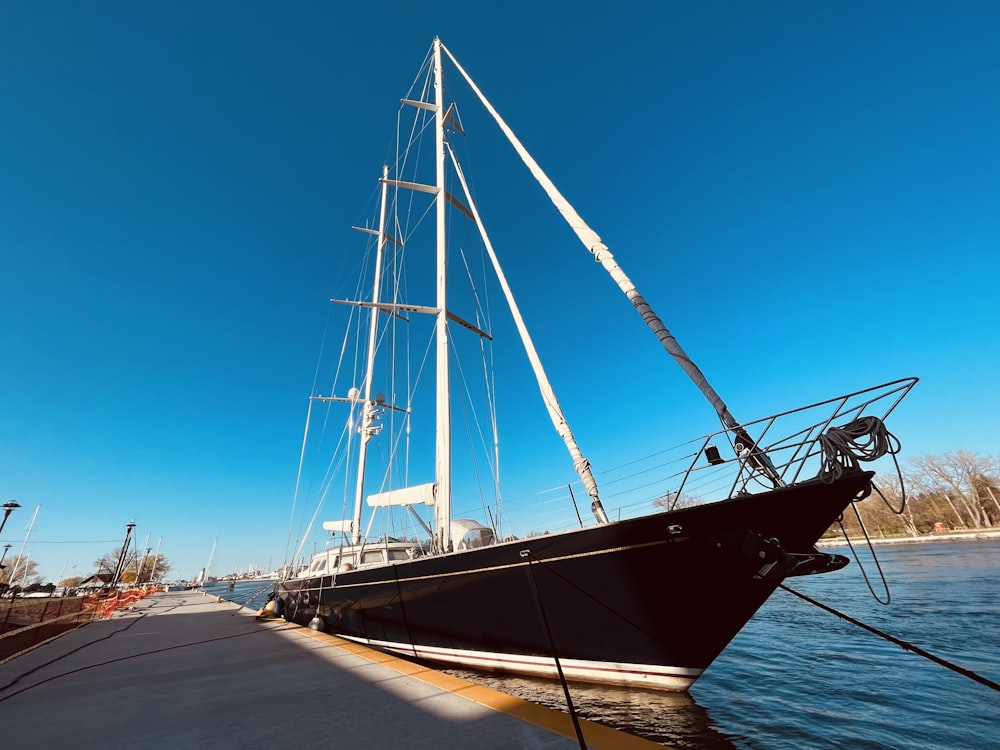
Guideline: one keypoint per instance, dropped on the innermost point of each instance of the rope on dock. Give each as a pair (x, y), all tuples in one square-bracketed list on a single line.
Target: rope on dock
[(906, 646), (526, 554)]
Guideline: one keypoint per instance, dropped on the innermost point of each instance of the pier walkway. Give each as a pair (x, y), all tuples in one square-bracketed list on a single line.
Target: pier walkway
[(181, 670)]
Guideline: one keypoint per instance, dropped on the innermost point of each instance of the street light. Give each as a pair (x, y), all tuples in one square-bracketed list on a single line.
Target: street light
[(8, 508), (5, 548)]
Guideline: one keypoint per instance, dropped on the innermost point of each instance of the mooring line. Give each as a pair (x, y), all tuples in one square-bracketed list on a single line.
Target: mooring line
[(254, 595), (906, 646), (552, 645)]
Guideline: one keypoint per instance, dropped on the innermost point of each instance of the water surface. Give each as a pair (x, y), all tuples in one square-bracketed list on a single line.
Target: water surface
[(799, 677)]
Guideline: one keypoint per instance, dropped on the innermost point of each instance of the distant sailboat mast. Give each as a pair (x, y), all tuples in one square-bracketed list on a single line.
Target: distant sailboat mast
[(22, 558), (156, 559), (211, 557)]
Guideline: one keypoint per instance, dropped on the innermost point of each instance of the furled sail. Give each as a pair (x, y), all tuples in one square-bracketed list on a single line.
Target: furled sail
[(559, 421), (592, 241)]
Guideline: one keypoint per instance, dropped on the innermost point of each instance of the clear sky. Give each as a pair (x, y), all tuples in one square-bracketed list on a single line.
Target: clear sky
[(808, 193)]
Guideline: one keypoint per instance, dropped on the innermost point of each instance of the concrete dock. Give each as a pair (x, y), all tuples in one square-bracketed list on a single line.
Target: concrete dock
[(182, 670)]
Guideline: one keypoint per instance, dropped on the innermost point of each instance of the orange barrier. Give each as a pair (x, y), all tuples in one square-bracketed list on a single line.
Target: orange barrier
[(130, 596), (104, 607), (25, 623)]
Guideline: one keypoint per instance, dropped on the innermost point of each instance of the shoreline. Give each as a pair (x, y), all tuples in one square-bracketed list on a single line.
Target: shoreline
[(947, 536)]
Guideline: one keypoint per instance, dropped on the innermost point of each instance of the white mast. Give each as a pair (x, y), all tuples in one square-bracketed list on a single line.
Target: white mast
[(21, 559), (442, 471), (368, 428)]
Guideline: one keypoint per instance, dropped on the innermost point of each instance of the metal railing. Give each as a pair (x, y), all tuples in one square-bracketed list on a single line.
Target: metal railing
[(757, 456), (788, 447)]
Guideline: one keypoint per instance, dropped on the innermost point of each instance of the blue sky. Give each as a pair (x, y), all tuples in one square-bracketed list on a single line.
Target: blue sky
[(808, 193)]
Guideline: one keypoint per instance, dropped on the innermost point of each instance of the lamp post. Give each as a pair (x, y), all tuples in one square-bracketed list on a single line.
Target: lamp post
[(5, 548), (8, 507)]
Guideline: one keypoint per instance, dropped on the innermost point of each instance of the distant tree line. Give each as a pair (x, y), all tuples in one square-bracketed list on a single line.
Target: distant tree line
[(21, 573), (957, 491), (18, 570), (136, 568)]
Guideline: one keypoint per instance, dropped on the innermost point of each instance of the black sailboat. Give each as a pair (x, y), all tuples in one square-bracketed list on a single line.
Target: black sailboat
[(648, 599)]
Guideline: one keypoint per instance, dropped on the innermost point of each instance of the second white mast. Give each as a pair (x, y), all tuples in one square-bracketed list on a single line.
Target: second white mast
[(442, 472), (368, 428)]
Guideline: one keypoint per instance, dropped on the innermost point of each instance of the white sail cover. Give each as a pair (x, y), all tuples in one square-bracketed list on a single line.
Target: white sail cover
[(416, 495), (335, 526)]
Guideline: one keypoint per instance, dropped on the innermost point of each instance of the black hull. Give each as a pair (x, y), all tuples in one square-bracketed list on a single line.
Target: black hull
[(649, 601)]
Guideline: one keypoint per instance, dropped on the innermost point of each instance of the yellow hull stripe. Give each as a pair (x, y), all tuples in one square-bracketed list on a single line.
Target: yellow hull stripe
[(597, 736)]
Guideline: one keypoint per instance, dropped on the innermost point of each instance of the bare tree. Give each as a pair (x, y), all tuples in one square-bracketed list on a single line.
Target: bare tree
[(955, 491), (673, 500), (153, 566), (953, 478), (18, 570)]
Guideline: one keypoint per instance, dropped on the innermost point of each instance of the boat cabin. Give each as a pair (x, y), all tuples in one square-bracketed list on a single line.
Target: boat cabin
[(466, 534)]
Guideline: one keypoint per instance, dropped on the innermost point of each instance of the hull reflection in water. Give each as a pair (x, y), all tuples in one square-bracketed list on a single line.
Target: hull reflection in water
[(673, 719)]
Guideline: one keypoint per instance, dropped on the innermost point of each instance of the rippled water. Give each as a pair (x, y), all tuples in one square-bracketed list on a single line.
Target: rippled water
[(799, 677), (250, 594)]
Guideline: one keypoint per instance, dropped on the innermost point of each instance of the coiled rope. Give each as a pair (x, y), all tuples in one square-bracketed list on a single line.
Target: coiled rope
[(864, 439)]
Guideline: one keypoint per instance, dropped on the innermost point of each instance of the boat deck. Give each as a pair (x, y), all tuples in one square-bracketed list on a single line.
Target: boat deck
[(181, 669)]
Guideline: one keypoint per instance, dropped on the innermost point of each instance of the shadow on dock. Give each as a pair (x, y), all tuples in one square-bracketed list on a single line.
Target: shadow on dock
[(186, 670)]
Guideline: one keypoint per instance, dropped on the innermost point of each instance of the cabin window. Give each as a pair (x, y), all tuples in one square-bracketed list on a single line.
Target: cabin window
[(372, 556), (319, 566), (399, 554)]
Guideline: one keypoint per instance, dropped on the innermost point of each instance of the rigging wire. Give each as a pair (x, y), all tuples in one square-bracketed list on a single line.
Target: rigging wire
[(316, 376), (526, 554), (473, 430), (73, 541)]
